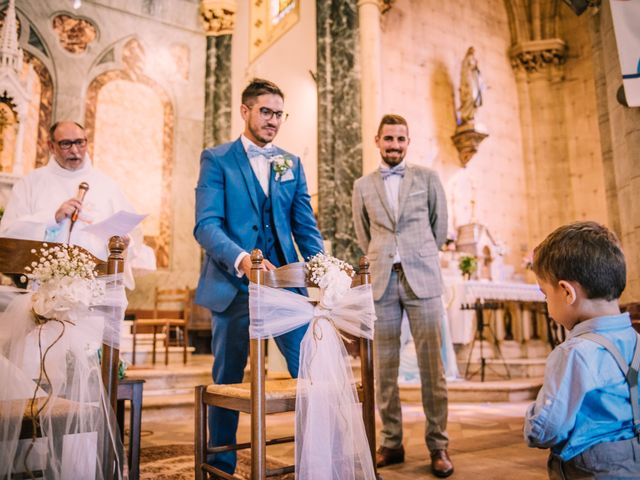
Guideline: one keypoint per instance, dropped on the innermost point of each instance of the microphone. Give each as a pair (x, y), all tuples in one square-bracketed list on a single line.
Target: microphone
[(82, 191)]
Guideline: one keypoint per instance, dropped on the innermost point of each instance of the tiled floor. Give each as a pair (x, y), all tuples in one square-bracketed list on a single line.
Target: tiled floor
[(486, 440)]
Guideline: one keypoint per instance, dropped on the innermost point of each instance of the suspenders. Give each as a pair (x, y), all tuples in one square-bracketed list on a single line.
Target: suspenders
[(629, 371)]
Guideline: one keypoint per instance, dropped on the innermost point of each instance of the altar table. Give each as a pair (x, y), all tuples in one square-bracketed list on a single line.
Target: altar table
[(459, 292)]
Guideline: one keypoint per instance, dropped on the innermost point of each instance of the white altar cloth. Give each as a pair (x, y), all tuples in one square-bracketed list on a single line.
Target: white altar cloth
[(459, 292)]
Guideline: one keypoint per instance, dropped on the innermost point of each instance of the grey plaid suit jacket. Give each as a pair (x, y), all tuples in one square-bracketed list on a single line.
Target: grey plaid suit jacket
[(419, 230)]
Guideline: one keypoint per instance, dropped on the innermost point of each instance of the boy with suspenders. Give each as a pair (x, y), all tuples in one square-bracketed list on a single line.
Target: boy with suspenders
[(587, 411)]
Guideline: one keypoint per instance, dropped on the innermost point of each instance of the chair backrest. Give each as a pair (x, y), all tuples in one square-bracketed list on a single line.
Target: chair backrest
[(172, 299), (294, 275)]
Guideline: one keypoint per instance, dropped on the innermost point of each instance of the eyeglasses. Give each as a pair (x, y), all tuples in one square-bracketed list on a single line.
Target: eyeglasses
[(268, 114), (67, 144)]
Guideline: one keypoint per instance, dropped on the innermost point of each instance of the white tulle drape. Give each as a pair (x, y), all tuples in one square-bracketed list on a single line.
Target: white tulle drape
[(331, 443), (75, 418)]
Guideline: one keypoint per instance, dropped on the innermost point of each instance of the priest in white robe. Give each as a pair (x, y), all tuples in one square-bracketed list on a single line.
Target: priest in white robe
[(43, 203)]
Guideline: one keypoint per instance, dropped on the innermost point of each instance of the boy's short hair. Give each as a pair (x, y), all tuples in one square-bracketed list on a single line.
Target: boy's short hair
[(392, 119), (257, 87), (584, 252)]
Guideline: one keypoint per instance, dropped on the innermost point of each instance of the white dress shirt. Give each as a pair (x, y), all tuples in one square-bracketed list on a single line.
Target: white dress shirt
[(392, 187), (261, 166)]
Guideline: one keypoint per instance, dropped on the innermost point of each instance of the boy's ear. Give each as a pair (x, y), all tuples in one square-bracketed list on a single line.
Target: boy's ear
[(568, 291)]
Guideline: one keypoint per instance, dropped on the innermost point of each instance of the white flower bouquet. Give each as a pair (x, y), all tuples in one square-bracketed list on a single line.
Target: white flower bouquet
[(65, 279), (332, 276)]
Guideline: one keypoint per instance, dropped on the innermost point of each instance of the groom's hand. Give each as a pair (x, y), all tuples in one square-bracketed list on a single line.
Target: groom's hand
[(245, 265)]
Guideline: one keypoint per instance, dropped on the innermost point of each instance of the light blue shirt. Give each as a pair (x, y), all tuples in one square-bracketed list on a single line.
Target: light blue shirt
[(585, 397)]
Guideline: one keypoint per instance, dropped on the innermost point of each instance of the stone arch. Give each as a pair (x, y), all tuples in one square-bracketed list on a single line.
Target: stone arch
[(45, 110), (41, 104), (131, 78)]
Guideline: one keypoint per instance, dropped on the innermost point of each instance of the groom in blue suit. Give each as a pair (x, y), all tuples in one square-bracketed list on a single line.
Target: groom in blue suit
[(250, 194)]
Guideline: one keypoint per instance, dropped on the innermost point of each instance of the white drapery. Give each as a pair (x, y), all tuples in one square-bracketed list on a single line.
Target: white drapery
[(75, 418), (331, 443)]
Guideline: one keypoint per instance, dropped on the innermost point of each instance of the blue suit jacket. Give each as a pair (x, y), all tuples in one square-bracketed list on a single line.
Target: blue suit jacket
[(227, 219)]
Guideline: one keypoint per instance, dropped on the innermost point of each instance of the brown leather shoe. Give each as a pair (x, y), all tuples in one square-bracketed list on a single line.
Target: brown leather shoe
[(389, 456), (441, 465)]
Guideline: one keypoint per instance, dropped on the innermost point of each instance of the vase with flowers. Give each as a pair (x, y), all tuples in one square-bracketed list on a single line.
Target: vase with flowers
[(468, 264)]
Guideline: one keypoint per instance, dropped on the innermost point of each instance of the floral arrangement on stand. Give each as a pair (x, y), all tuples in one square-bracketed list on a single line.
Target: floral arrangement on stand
[(332, 276)]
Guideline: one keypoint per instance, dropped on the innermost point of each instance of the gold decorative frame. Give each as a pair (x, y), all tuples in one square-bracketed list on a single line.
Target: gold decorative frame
[(262, 34)]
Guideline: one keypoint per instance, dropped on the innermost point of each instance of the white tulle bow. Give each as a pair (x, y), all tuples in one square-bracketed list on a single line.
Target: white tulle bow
[(331, 443), (76, 418)]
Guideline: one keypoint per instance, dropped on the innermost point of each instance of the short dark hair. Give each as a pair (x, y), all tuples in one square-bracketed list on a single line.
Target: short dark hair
[(392, 119), (52, 129), (584, 252), (257, 87)]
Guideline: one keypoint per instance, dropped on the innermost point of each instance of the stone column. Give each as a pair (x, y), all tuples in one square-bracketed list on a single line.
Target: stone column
[(620, 140), (538, 67), (339, 132), (370, 80), (217, 18)]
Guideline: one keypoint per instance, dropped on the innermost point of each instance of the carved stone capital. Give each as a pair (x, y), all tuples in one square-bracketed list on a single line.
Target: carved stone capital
[(218, 16), (538, 55), (383, 5), (467, 139)]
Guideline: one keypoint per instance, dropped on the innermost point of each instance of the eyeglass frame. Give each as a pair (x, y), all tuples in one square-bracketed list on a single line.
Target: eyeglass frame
[(69, 144), (267, 114)]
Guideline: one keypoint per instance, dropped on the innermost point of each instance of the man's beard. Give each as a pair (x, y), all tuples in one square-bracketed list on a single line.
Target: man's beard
[(256, 132), (393, 161)]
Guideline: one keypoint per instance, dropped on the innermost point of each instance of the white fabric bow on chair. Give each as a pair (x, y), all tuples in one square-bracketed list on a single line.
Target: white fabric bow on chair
[(75, 418), (331, 443)]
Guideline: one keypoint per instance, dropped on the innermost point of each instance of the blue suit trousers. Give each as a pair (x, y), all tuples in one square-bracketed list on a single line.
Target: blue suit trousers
[(230, 348)]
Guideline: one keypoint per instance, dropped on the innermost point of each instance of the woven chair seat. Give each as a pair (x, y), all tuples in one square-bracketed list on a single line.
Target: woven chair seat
[(280, 396), (274, 389), (60, 407), (158, 322), (60, 410)]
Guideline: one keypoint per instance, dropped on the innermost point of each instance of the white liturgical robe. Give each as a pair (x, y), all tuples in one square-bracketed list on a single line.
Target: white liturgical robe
[(34, 200)]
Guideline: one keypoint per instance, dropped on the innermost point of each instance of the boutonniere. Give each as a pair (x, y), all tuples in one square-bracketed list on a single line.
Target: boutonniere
[(281, 165)]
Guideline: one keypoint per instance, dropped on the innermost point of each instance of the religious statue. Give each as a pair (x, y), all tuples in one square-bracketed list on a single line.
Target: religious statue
[(468, 133), (471, 87)]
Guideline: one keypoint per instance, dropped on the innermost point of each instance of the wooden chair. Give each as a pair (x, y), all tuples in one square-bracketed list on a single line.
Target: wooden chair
[(160, 321), (262, 397), (15, 255)]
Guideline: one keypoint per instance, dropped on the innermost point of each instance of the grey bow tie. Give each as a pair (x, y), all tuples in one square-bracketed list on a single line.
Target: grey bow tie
[(387, 172), (255, 151)]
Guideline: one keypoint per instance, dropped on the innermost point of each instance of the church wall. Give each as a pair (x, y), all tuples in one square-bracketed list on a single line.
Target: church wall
[(289, 62), (423, 44), (172, 59)]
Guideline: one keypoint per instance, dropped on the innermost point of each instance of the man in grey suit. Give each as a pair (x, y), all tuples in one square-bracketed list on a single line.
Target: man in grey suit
[(400, 217)]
